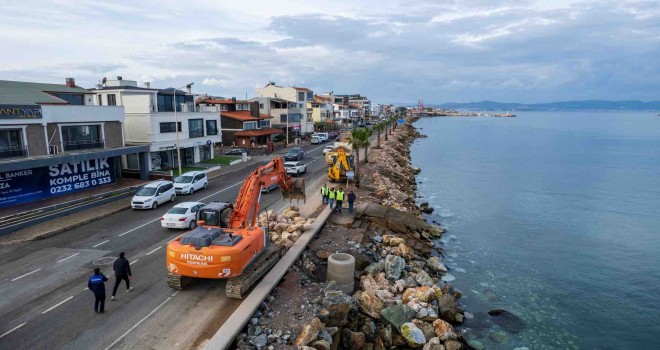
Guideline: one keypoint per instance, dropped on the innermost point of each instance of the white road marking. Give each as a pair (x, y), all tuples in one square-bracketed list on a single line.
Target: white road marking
[(140, 322), (104, 242), (27, 274), (222, 190), (133, 262), (143, 225), (86, 288), (68, 257), (13, 329), (153, 251), (58, 304)]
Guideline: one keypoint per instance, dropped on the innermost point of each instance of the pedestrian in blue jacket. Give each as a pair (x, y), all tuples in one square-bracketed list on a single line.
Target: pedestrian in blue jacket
[(97, 286)]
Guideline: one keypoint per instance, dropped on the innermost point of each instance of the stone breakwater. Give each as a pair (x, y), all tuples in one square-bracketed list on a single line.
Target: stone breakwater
[(400, 299)]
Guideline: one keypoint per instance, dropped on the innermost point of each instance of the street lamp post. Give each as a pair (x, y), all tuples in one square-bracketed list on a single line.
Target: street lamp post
[(176, 127)]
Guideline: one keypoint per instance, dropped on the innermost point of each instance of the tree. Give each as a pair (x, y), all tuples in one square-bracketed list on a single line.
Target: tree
[(359, 139), (380, 126)]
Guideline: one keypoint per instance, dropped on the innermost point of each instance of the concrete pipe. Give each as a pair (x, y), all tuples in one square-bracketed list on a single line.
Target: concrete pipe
[(341, 268)]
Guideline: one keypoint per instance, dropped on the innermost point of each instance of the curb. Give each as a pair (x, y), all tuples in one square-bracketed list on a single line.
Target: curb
[(79, 223), (224, 337)]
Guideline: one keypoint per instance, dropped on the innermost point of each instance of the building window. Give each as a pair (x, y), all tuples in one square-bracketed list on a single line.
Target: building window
[(76, 137), (112, 100), (196, 128), (132, 162), (249, 125), (264, 123), (72, 99), (301, 96), (223, 108), (211, 127), (168, 127), (11, 143), (100, 100), (261, 106), (165, 102), (293, 118)]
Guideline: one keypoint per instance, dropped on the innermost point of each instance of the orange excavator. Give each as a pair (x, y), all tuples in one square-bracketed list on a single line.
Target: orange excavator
[(228, 244)]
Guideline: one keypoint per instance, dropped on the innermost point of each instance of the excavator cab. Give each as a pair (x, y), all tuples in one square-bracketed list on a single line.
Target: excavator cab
[(215, 214), (297, 190)]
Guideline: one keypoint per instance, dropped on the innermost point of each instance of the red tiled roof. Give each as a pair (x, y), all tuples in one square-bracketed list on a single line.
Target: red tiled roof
[(320, 99), (260, 132), (243, 115), (220, 102)]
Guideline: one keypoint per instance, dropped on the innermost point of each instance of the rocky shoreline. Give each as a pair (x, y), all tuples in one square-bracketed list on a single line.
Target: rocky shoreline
[(400, 299)]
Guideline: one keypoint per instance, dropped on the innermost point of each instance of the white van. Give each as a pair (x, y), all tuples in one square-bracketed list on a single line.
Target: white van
[(151, 195), (323, 135), (190, 182), (316, 139)]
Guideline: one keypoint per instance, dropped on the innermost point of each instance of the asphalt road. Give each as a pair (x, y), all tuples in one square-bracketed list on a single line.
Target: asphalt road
[(44, 302)]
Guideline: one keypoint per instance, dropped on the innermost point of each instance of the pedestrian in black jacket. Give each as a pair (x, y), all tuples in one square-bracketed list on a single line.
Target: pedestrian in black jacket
[(122, 272), (97, 286)]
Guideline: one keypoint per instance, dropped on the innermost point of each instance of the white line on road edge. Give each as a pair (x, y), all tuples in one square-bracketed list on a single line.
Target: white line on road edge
[(140, 322), (29, 273), (13, 329), (143, 225), (222, 190), (133, 262), (104, 242), (58, 304), (68, 257), (86, 288), (153, 251)]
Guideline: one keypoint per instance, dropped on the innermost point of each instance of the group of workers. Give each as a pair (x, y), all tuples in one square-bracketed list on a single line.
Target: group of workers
[(335, 198)]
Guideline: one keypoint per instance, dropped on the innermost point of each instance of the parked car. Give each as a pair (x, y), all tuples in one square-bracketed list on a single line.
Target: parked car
[(329, 148), (316, 140), (182, 215), (323, 136), (295, 168), (237, 152), (294, 154), (151, 195), (190, 182)]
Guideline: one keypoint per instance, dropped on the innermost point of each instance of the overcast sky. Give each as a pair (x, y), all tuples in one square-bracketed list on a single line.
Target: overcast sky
[(391, 51)]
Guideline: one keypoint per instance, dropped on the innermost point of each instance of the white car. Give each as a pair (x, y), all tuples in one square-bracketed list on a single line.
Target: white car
[(151, 195), (190, 182), (327, 149), (183, 215), (295, 168)]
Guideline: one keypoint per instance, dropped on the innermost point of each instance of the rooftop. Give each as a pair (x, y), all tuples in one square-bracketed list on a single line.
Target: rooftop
[(27, 93), (243, 115), (260, 132)]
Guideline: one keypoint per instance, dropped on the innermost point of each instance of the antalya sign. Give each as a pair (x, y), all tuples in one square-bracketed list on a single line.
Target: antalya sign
[(20, 112)]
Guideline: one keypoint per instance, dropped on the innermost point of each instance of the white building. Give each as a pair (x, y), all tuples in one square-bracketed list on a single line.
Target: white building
[(150, 120), (300, 96)]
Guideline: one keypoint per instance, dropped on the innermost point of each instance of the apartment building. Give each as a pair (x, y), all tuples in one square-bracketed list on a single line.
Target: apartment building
[(158, 117), (55, 140), (298, 95), (322, 109)]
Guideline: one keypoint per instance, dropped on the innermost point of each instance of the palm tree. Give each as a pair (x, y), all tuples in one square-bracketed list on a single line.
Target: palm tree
[(379, 127), (359, 137), (387, 128)]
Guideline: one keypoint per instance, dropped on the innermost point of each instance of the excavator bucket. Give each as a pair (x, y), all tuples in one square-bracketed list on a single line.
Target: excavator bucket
[(297, 191)]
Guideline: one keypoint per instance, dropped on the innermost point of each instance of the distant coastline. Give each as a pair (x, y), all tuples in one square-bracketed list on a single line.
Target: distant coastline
[(588, 105)]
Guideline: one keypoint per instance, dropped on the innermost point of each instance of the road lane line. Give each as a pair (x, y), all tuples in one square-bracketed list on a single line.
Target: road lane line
[(86, 288), (133, 262), (143, 225), (153, 251), (13, 329), (222, 190), (68, 257), (29, 273), (104, 242), (58, 304), (140, 322)]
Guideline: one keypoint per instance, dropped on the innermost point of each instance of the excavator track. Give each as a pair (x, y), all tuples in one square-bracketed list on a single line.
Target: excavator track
[(178, 282), (237, 287)]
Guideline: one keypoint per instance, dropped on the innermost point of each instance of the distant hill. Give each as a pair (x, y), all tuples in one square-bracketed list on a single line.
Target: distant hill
[(555, 106)]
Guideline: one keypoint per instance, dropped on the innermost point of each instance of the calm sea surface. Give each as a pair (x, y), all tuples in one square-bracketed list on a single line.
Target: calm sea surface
[(554, 217)]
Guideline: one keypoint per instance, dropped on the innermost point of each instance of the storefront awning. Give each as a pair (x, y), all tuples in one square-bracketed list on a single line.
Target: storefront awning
[(259, 132)]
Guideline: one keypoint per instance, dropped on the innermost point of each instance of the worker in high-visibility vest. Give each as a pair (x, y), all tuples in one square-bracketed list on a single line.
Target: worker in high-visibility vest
[(331, 197), (340, 198), (324, 193)]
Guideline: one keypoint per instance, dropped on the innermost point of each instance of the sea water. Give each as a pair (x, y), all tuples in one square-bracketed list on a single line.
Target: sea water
[(553, 216)]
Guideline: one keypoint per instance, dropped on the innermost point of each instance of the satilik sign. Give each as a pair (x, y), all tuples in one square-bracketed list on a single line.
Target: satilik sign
[(38, 183), (20, 112)]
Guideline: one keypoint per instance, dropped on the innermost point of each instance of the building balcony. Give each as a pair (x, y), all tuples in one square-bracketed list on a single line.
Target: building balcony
[(83, 144), (13, 151)]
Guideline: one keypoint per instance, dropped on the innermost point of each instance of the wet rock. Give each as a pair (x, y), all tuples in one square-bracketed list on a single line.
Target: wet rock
[(259, 341), (397, 315), (423, 279), (413, 336), (254, 321), (422, 294), (477, 345), (394, 266), (309, 332), (436, 264), (459, 318), (427, 328), (374, 268), (369, 304), (499, 337), (353, 340), (338, 305), (321, 344), (444, 330), (453, 345), (434, 344), (447, 305), (489, 294), (385, 334), (507, 320)]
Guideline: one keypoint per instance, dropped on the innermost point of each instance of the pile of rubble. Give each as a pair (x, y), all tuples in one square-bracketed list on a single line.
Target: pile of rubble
[(285, 228)]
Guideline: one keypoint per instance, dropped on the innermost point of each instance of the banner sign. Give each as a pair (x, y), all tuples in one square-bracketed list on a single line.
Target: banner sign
[(20, 112), (400, 121), (28, 185)]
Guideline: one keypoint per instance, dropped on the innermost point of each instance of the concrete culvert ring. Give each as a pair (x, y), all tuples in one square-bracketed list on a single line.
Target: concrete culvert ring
[(104, 261)]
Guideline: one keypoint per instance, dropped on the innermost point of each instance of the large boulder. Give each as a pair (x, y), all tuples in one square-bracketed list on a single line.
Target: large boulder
[(423, 279), (413, 336), (447, 305), (321, 344), (338, 305), (507, 320), (394, 266), (374, 268), (369, 304), (406, 251), (309, 332), (453, 345), (434, 344), (353, 340), (427, 328), (368, 284), (444, 330), (436, 264), (397, 315), (422, 294)]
